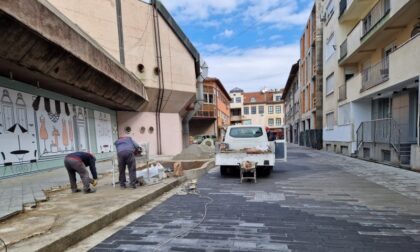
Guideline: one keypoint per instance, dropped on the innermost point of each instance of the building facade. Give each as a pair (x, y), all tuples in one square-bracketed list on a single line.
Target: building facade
[(265, 108), (147, 41), (214, 116), (310, 80), (291, 97), (371, 76), (75, 75), (236, 106), (59, 91)]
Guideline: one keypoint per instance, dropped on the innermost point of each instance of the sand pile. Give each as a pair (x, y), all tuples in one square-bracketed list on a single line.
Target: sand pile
[(195, 152)]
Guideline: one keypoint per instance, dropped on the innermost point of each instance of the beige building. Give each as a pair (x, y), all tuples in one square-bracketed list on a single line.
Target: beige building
[(291, 97), (265, 108), (371, 79), (148, 42)]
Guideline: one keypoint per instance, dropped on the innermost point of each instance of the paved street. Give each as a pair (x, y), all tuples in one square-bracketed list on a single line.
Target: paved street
[(317, 201)]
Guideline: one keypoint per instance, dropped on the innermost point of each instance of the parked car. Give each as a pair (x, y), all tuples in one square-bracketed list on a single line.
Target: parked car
[(201, 138)]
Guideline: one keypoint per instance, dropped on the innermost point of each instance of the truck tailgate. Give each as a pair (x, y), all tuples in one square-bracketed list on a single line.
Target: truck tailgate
[(234, 158)]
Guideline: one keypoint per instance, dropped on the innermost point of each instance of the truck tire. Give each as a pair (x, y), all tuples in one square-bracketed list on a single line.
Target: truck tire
[(266, 171), (223, 170)]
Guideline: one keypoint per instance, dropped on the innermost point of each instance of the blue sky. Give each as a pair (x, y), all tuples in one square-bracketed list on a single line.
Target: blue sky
[(250, 44)]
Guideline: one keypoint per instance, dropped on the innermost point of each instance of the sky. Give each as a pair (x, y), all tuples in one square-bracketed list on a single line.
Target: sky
[(250, 44)]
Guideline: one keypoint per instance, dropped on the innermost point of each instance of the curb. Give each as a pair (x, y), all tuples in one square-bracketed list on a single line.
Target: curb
[(80, 234), (197, 173)]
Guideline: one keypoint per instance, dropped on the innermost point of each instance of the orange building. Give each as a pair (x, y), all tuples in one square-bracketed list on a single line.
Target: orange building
[(214, 116)]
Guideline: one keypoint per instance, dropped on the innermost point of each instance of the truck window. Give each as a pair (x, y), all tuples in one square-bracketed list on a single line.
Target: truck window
[(246, 132)]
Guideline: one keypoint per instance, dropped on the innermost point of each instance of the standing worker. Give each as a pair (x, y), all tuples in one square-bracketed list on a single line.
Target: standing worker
[(126, 147), (76, 163)]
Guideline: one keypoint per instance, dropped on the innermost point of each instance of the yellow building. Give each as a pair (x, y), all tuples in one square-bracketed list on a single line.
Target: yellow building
[(371, 79), (265, 108)]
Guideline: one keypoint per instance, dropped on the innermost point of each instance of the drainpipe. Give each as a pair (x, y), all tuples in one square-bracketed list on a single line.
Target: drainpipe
[(197, 105)]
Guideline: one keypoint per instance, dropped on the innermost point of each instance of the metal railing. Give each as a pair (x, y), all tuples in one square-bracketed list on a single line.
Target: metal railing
[(342, 92), (205, 114), (380, 10), (343, 49), (343, 7), (382, 131), (375, 74)]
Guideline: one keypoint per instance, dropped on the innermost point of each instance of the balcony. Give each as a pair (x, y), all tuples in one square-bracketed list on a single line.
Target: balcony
[(353, 9), (342, 92), (403, 62), (208, 111), (381, 24), (375, 74), (378, 12), (236, 118)]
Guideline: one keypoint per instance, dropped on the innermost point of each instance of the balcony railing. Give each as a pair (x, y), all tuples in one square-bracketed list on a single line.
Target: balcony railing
[(343, 49), (380, 10), (236, 118), (342, 92), (205, 114), (343, 7), (376, 74), (382, 131)]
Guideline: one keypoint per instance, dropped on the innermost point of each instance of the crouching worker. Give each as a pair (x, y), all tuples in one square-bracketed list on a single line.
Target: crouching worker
[(127, 148), (76, 163)]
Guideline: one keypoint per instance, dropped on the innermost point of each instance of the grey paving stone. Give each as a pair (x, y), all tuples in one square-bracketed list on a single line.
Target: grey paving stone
[(315, 202)]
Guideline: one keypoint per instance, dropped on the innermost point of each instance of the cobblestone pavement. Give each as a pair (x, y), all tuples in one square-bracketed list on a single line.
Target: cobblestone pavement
[(317, 201)]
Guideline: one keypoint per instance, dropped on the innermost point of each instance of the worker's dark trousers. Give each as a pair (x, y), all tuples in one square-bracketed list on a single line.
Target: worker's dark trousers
[(126, 158), (73, 165)]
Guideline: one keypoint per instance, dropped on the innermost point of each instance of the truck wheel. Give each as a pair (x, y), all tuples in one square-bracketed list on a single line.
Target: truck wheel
[(266, 171), (223, 171)]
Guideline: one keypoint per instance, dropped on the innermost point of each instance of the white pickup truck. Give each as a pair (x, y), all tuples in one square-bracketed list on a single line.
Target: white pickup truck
[(246, 143)]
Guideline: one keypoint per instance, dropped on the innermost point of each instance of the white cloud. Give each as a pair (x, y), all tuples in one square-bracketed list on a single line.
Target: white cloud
[(226, 33), (275, 37), (200, 9), (279, 13), (255, 68)]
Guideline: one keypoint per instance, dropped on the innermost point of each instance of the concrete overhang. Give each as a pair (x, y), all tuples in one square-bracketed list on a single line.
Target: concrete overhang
[(40, 46)]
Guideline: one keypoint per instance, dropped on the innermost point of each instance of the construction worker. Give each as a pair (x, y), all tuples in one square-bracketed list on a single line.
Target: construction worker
[(126, 148), (76, 163)]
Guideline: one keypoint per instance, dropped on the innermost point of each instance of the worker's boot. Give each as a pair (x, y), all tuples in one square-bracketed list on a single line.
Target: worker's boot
[(90, 190)]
